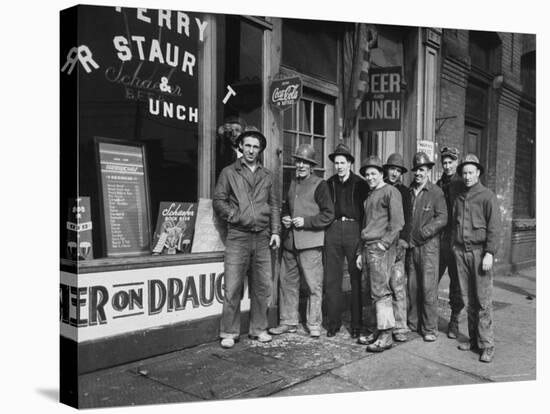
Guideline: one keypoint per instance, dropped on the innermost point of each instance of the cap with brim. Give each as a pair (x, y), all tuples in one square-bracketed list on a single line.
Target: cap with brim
[(421, 159), (470, 159), (396, 160), (371, 161), (342, 149), (449, 152), (252, 132)]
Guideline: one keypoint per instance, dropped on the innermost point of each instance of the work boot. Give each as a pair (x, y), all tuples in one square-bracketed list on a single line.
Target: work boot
[(383, 342), (262, 337), (228, 342), (367, 339), (315, 333), (488, 354), (430, 337), (399, 337), (468, 346), (281, 329), (452, 330)]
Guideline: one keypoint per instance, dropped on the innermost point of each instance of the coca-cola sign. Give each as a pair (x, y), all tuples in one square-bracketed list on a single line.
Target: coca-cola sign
[(285, 92)]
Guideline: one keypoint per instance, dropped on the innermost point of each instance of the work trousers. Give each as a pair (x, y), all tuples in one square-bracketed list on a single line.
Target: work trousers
[(398, 285), (341, 243), (308, 263), (447, 261), (246, 251), (377, 266), (423, 269), (477, 291)]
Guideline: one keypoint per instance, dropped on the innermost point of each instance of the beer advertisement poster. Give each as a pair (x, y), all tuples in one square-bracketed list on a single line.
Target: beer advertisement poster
[(175, 227)]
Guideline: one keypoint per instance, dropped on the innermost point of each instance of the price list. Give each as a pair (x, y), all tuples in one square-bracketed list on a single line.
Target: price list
[(124, 199)]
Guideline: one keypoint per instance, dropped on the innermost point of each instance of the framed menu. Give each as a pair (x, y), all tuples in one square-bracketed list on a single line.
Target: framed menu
[(124, 195)]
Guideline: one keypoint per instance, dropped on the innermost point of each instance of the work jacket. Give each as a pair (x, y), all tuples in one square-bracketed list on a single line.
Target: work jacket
[(247, 204), (429, 213), (308, 198), (476, 219)]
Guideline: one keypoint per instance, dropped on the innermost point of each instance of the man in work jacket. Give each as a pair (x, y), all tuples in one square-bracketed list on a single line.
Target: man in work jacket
[(428, 218), (348, 192), (308, 210), (476, 232), (246, 199), (452, 185), (383, 222)]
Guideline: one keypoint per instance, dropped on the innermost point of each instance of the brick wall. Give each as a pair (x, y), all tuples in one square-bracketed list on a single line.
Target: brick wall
[(503, 116)]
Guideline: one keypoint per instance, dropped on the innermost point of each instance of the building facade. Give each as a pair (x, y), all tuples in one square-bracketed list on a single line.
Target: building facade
[(155, 86)]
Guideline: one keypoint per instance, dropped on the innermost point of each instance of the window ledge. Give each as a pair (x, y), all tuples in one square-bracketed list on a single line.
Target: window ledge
[(524, 224), (139, 262)]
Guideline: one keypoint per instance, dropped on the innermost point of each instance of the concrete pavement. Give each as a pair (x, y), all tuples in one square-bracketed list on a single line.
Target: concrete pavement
[(295, 364)]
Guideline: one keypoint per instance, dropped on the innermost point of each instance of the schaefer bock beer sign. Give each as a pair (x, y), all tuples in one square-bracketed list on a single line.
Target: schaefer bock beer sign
[(285, 92)]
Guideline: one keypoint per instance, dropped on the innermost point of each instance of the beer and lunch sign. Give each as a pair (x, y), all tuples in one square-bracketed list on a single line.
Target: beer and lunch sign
[(381, 107)]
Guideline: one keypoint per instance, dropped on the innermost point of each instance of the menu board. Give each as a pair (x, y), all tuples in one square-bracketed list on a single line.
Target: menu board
[(125, 206)]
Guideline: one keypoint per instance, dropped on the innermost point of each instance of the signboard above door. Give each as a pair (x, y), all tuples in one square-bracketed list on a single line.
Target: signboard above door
[(381, 108)]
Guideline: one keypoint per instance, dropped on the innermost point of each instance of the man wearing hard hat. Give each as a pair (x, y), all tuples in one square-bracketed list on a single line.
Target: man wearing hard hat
[(452, 185), (428, 218), (476, 233), (307, 211)]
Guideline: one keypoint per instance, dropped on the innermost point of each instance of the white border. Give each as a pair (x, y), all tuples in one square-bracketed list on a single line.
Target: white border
[(29, 307)]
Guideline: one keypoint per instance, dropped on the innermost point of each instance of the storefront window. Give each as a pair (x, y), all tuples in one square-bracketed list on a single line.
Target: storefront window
[(239, 83), (142, 88)]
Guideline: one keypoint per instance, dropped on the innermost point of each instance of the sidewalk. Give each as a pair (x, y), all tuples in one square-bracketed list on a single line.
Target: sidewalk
[(295, 364)]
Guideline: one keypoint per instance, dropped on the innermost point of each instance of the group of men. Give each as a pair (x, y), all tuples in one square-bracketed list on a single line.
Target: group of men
[(399, 239)]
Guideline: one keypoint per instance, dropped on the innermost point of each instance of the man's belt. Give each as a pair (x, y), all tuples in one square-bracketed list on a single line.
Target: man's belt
[(344, 218)]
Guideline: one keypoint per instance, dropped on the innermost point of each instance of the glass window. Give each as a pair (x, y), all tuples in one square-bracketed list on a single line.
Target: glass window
[(310, 47), (144, 90), (239, 82), (311, 116)]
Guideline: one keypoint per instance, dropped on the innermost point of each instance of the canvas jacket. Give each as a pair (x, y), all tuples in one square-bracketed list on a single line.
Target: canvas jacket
[(476, 219), (247, 205), (429, 213)]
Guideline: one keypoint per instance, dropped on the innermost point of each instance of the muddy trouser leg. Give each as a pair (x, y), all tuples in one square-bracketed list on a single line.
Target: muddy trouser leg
[(260, 283), (483, 291), (413, 288), (379, 264), (289, 288), (367, 296), (447, 261), (398, 285), (311, 266), (236, 262), (476, 287), (429, 263)]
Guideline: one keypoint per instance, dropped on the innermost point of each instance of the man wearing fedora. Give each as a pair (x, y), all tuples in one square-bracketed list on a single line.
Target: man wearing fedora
[(245, 198), (348, 192), (382, 223), (452, 185), (476, 233), (394, 170), (307, 211), (428, 218)]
